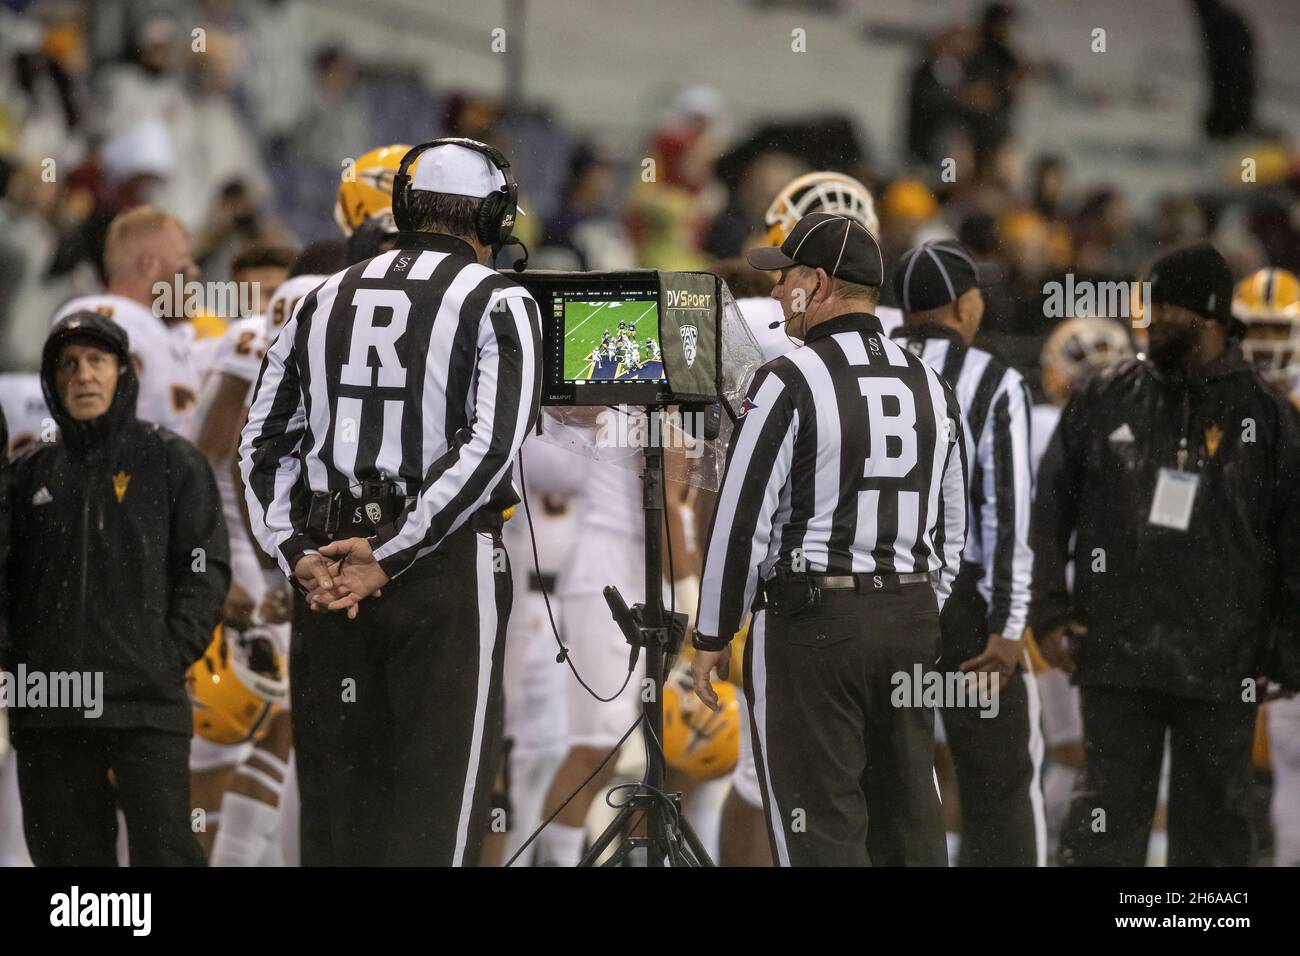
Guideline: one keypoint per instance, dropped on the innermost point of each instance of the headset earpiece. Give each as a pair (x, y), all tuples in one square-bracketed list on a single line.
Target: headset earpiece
[(494, 219)]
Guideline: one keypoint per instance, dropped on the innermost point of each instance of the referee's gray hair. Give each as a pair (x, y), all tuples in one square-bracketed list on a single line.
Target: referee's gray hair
[(442, 212), (856, 290)]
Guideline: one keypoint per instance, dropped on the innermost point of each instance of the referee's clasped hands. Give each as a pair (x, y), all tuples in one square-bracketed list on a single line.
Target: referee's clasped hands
[(341, 576)]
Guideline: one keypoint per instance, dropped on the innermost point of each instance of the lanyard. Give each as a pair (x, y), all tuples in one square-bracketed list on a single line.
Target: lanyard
[(1187, 421)]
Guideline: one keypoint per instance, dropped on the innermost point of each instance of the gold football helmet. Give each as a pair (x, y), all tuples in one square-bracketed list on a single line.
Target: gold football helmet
[(236, 685), (698, 741), (1266, 291), (366, 187), (1268, 302), (819, 192)]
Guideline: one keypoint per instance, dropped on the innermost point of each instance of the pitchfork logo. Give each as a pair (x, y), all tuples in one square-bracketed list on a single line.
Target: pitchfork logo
[(689, 336)]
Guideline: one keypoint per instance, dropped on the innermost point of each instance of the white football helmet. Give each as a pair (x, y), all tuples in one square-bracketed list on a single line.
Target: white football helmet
[(1078, 346), (819, 192)]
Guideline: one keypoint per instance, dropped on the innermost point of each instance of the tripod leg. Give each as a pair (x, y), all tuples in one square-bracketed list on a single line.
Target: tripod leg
[(619, 856), (700, 854), (617, 827)]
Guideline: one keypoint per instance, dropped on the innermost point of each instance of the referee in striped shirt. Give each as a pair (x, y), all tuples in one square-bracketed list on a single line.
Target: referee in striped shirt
[(998, 751), (841, 521), (377, 461)]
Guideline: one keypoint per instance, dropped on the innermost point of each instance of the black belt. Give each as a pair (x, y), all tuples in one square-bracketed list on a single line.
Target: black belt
[(790, 593), (866, 582)]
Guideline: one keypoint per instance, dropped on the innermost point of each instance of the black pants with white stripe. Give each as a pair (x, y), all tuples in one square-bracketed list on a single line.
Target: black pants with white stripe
[(847, 778), (397, 715), (997, 759)]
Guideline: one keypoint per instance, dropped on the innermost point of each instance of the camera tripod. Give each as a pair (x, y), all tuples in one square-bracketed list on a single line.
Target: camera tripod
[(667, 838)]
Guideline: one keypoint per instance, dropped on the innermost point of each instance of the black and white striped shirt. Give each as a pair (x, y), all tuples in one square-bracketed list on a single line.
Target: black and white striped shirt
[(848, 459), (996, 407), (374, 375)]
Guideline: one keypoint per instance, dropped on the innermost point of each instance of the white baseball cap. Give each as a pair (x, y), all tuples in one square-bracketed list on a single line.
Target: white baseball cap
[(457, 171)]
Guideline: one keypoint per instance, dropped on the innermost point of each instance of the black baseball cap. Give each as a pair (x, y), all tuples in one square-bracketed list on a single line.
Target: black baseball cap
[(1196, 277), (933, 274), (838, 244)]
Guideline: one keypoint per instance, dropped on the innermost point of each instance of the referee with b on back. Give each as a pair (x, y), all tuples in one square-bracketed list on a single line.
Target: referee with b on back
[(377, 461), (840, 521)]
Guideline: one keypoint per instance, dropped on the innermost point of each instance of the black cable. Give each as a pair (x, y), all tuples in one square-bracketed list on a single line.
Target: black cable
[(558, 810), (639, 788), (563, 657), (672, 574)]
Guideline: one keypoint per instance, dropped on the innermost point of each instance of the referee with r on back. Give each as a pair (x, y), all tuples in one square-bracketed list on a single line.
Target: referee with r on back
[(376, 462), (841, 521)]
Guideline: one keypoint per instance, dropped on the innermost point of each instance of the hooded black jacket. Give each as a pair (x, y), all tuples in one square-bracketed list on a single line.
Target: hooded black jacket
[(119, 560), (1192, 613)]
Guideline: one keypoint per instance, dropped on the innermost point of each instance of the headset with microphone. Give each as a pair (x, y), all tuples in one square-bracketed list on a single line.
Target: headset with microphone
[(494, 220), (784, 321)]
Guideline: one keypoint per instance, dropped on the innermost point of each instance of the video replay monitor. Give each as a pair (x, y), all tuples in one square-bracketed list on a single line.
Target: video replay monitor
[(628, 338)]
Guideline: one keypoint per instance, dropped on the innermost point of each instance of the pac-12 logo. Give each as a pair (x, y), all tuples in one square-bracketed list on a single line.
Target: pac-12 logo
[(690, 334)]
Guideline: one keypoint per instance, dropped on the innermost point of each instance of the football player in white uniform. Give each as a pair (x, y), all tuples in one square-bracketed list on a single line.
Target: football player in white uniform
[(25, 411), (252, 781), (1268, 302), (534, 683), (27, 419), (146, 247), (1074, 350), (240, 785), (609, 549), (24, 417)]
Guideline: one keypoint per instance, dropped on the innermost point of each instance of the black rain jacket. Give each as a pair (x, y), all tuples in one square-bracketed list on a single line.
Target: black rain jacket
[(1193, 613), (119, 560)]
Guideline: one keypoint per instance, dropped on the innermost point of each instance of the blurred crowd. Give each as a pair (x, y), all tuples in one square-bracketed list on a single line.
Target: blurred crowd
[(222, 112)]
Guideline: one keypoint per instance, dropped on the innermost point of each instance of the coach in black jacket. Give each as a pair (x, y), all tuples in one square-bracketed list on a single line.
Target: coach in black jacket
[(1180, 476), (118, 567)]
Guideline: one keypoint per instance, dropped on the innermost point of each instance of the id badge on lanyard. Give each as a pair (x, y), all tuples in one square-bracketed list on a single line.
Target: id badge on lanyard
[(1175, 494), (1171, 507)]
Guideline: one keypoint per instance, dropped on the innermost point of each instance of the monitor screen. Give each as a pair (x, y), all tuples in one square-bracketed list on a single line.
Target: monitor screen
[(611, 337)]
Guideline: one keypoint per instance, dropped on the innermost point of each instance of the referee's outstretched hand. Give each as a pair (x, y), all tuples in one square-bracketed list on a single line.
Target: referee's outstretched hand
[(357, 575), (701, 664)]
